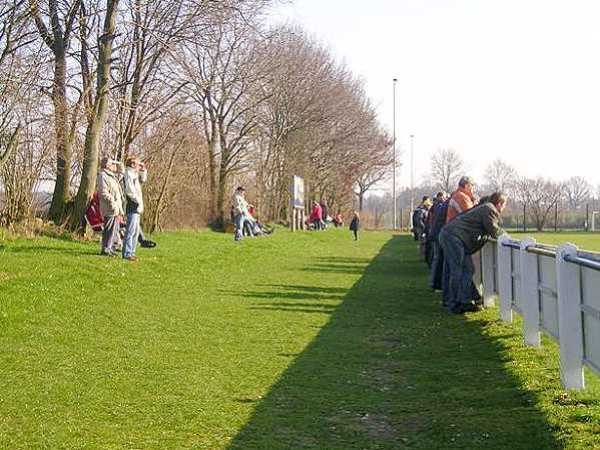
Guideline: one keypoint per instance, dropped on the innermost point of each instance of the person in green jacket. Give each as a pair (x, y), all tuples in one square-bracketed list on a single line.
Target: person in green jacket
[(464, 236)]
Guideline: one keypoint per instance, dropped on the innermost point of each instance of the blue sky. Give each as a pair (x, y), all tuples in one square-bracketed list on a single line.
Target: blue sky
[(518, 80)]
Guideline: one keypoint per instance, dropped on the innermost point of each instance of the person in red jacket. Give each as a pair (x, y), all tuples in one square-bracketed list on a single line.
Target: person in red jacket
[(316, 216), (461, 200)]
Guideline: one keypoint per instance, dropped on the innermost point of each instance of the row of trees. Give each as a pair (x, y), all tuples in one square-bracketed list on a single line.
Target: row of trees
[(543, 201), (205, 91)]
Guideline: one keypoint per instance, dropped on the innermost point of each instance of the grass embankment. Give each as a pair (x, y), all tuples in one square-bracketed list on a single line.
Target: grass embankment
[(295, 341)]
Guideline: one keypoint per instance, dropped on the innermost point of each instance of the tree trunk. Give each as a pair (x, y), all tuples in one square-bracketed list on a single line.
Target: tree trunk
[(96, 119), (62, 192), (212, 179), (221, 195)]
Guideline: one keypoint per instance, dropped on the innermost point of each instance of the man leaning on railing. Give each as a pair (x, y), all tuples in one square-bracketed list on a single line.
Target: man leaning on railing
[(462, 237)]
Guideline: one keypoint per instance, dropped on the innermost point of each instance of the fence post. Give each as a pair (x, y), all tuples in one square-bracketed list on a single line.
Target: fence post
[(530, 296), (570, 329), (505, 279), (487, 275)]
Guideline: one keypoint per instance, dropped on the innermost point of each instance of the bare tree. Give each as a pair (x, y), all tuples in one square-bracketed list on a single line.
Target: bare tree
[(56, 25), (577, 191), (226, 83), (17, 71), (375, 167), (98, 107), (540, 196), (500, 176), (447, 167)]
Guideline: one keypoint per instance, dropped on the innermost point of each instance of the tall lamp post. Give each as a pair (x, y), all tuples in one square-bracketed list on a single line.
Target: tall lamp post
[(395, 221), (412, 173)]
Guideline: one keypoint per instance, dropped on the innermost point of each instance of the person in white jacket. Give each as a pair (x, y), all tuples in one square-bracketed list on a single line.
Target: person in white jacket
[(135, 175), (111, 205)]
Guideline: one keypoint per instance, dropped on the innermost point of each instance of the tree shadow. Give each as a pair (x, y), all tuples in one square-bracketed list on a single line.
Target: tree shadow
[(392, 370), (48, 249)]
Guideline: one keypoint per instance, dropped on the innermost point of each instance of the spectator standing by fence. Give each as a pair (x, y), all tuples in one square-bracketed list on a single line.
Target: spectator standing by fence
[(437, 219), (462, 199), (419, 218), (462, 237), (111, 205), (135, 175)]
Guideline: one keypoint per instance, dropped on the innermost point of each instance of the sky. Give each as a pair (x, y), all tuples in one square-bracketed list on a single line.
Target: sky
[(512, 79)]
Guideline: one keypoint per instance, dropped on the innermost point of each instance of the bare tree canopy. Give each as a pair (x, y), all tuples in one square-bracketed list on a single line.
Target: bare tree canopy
[(577, 191), (447, 167), (500, 176)]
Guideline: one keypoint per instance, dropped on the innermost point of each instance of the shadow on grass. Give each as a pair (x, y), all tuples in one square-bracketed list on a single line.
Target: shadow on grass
[(391, 370), (33, 249)]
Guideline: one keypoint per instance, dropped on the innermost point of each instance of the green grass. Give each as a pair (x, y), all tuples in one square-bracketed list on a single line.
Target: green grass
[(303, 341), (585, 241)]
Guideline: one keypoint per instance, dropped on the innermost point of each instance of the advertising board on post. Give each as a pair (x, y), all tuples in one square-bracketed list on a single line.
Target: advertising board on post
[(297, 189)]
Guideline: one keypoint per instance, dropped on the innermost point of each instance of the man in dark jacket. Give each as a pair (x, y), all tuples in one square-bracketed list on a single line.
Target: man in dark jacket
[(419, 218), (462, 237), (437, 219)]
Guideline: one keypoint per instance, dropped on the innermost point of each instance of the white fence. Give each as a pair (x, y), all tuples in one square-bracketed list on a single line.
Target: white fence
[(556, 290)]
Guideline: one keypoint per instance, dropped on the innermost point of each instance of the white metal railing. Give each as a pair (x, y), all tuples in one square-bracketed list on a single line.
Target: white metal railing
[(556, 290)]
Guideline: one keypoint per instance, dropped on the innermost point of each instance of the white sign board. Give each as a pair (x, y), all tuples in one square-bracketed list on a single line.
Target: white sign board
[(298, 192)]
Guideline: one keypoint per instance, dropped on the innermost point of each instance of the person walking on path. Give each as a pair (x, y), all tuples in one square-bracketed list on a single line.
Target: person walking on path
[(135, 176), (240, 212), (355, 225), (111, 205), (462, 237)]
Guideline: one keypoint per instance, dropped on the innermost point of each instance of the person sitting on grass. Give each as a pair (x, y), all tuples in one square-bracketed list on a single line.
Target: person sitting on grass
[(462, 237), (355, 225), (339, 220)]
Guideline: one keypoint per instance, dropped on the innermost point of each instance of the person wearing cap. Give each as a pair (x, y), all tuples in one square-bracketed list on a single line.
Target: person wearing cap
[(240, 211), (135, 176), (461, 199), (111, 205), (419, 217), (460, 239)]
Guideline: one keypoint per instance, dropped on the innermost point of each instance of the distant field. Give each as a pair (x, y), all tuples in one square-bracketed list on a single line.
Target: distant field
[(585, 241)]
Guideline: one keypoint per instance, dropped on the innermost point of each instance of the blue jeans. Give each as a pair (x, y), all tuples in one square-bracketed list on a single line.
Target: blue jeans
[(132, 230), (238, 221), (437, 266), (458, 271)]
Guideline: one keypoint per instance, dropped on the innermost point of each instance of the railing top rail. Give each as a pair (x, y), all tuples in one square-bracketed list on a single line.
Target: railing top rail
[(588, 255), (584, 262), (539, 250), (512, 244)]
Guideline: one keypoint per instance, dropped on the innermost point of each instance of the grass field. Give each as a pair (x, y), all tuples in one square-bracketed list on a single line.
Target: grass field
[(304, 341)]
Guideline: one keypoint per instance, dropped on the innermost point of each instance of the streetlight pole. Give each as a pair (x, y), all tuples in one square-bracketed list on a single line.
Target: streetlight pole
[(395, 221), (412, 173)]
